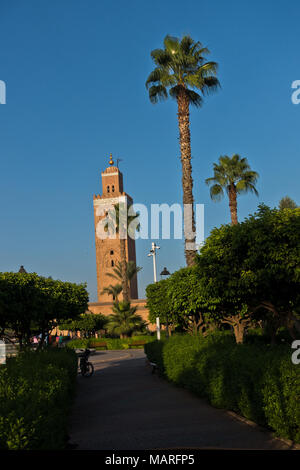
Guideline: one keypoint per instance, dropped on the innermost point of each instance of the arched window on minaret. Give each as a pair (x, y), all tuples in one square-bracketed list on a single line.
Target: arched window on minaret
[(113, 188), (112, 263), (107, 189)]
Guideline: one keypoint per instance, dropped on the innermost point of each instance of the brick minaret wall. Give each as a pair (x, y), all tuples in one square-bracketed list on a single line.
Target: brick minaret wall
[(108, 250)]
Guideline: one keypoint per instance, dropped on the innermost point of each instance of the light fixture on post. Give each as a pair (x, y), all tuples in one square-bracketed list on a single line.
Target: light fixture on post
[(165, 272)]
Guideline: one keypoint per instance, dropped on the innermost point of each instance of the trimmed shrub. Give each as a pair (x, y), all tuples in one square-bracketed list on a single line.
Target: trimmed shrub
[(256, 380), (36, 389), (112, 343)]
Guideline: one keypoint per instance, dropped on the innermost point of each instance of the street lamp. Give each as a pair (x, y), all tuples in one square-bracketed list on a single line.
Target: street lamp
[(165, 272), (152, 253)]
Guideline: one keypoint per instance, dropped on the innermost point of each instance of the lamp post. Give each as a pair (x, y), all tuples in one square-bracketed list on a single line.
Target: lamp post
[(152, 253), (165, 272)]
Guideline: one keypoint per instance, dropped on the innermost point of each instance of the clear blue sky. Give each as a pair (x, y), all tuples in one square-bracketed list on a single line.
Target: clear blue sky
[(75, 72)]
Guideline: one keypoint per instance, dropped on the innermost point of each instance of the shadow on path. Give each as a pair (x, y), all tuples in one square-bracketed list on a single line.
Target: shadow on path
[(125, 407)]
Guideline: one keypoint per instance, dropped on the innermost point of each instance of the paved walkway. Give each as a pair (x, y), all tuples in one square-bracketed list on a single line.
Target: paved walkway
[(125, 407)]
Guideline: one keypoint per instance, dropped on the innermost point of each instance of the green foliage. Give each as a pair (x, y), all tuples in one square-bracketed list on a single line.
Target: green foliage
[(258, 381), (181, 65), (31, 304), (158, 301), (189, 302), (181, 300), (131, 270), (112, 343), (287, 203), (87, 323), (232, 171), (252, 269), (78, 343), (124, 321), (36, 389)]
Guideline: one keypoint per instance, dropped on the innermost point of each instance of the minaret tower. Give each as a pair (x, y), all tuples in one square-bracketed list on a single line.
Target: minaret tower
[(108, 249)]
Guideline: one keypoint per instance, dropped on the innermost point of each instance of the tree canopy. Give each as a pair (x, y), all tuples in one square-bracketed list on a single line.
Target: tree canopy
[(253, 269), (87, 323), (32, 304), (124, 321), (287, 203), (181, 63)]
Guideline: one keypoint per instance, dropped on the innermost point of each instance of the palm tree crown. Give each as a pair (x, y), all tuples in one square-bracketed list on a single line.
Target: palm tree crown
[(131, 270), (124, 320), (235, 176), (181, 64), (114, 291)]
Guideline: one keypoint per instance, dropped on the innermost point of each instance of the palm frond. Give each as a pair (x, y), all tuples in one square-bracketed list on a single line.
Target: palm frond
[(171, 44), (194, 98), (157, 93), (231, 173), (216, 192), (161, 57)]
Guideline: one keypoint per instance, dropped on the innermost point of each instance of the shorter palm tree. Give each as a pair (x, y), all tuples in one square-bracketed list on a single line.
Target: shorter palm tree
[(131, 270), (235, 176), (114, 291), (124, 321)]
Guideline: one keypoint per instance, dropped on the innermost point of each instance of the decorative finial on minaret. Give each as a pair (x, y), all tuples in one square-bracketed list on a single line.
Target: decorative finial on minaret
[(111, 162)]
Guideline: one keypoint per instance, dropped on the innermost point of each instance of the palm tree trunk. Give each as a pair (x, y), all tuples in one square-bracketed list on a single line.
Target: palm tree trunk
[(233, 204), (187, 180), (125, 289)]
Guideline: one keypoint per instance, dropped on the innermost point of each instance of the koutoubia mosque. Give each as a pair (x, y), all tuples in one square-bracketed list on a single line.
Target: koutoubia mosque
[(108, 249)]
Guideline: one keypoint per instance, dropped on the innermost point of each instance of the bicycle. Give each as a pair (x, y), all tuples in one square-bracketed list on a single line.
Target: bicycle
[(86, 367)]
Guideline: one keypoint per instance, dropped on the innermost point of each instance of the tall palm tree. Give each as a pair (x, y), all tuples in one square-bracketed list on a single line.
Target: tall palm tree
[(124, 218), (180, 69), (235, 176), (124, 320)]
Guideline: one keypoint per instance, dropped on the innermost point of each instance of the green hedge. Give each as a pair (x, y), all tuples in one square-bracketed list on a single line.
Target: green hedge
[(258, 381), (112, 343), (36, 390)]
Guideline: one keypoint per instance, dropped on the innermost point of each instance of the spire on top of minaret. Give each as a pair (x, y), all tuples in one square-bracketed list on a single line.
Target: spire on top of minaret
[(111, 162)]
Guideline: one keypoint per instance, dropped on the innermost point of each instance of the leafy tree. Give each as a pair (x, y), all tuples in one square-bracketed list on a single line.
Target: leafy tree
[(234, 175), (124, 321), (158, 303), (287, 203), (87, 323), (31, 304), (188, 300), (253, 270), (181, 68), (220, 269), (273, 266)]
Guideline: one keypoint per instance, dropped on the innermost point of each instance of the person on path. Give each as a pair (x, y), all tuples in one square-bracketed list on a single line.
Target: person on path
[(60, 341)]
